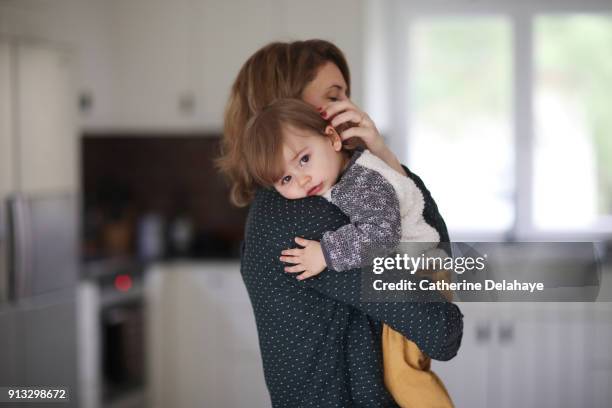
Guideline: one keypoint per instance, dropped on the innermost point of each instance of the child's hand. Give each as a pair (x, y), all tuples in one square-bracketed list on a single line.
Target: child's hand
[(308, 260)]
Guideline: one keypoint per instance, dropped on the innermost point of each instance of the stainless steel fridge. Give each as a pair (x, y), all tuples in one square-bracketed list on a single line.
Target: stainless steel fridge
[(38, 279)]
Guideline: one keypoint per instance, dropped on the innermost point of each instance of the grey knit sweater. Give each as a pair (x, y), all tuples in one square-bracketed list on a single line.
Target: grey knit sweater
[(384, 207)]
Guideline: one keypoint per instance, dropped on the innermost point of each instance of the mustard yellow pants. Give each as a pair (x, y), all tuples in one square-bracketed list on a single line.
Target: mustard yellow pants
[(407, 371), (408, 376)]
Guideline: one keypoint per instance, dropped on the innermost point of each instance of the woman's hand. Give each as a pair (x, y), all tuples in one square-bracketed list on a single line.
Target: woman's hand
[(309, 260), (346, 111)]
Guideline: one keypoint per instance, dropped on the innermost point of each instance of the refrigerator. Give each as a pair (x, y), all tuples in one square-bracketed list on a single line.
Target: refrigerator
[(38, 217), (38, 282)]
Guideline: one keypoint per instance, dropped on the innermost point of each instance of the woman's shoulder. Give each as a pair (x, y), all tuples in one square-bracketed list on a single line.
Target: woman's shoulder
[(272, 216)]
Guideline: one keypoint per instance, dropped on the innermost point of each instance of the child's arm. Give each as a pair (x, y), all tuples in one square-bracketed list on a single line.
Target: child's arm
[(373, 207)]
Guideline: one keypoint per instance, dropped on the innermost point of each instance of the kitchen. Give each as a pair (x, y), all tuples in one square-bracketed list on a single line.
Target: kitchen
[(110, 118)]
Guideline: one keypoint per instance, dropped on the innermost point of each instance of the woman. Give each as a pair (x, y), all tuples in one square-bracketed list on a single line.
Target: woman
[(320, 343)]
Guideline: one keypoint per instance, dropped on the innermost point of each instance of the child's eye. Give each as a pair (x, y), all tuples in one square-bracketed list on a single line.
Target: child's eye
[(285, 180), (333, 99), (305, 158)]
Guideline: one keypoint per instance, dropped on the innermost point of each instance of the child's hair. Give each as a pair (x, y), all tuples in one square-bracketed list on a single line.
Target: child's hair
[(278, 70), (262, 147)]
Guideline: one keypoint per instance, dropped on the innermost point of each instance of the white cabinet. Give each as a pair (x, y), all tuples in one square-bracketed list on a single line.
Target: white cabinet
[(174, 62), (532, 355), (466, 375), (6, 122), (203, 346), (46, 132), (37, 110), (151, 51)]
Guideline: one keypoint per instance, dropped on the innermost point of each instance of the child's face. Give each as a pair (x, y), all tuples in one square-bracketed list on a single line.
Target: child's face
[(312, 163)]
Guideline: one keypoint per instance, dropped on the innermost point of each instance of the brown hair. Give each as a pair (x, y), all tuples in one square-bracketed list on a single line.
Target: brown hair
[(278, 70), (262, 147)]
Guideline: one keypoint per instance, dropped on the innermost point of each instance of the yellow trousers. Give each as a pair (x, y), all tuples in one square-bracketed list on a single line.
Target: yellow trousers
[(408, 376), (407, 371)]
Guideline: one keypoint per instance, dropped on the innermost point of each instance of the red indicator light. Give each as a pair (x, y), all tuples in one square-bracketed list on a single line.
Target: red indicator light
[(123, 282)]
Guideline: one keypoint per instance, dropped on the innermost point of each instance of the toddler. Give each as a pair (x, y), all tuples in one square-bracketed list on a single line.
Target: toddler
[(292, 149)]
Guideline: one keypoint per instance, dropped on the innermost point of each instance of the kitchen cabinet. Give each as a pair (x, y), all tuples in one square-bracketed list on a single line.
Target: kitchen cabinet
[(202, 345), (6, 122), (8, 348), (38, 343), (466, 375), (174, 62), (48, 340), (38, 124), (521, 354)]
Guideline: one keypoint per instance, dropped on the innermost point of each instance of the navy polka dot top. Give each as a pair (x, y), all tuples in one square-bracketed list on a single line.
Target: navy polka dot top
[(320, 344)]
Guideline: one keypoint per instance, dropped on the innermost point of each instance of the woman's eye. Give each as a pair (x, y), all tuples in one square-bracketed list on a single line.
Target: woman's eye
[(305, 158), (285, 180), (333, 99)]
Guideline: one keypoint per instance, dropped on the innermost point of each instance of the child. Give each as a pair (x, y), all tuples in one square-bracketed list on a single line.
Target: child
[(295, 151)]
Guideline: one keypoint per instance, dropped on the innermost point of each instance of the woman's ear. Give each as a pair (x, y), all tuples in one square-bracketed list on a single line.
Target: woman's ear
[(334, 137)]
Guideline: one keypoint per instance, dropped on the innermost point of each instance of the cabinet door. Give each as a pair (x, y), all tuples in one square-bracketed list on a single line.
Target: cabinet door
[(548, 360), (598, 363), (6, 162), (10, 372), (45, 126), (203, 339), (526, 367), (466, 375), (6, 130), (47, 334), (153, 47)]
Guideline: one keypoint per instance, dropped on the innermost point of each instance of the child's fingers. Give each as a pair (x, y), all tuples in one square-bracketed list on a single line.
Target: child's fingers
[(302, 241), (289, 259), (306, 275), (292, 252), (295, 268)]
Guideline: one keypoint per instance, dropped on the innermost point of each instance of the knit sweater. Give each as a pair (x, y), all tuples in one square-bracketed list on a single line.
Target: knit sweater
[(384, 208), (320, 343)]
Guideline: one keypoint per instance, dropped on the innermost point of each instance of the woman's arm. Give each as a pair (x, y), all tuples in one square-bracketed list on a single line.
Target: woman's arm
[(432, 323)]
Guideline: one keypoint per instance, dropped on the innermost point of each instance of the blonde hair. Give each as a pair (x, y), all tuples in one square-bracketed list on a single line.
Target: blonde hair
[(278, 70)]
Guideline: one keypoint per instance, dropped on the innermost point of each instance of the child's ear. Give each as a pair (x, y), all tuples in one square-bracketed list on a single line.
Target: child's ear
[(334, 137)]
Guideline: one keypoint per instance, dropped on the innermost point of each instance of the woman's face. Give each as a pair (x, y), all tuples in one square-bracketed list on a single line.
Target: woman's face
[(327, 86)]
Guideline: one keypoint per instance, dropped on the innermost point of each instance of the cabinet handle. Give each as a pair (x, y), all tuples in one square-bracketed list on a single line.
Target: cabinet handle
[(483, 332), (506, 333)]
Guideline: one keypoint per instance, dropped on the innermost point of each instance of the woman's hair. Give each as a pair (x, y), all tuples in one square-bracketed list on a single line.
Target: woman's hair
[(264, 135), (278, 70)]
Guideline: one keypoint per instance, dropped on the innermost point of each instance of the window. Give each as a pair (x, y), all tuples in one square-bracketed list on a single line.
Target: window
[(573, 121), (458, 127), (502, 109)]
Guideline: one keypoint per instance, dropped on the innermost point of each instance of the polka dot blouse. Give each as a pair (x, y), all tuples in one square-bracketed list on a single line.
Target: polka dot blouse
[(320, 344)]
